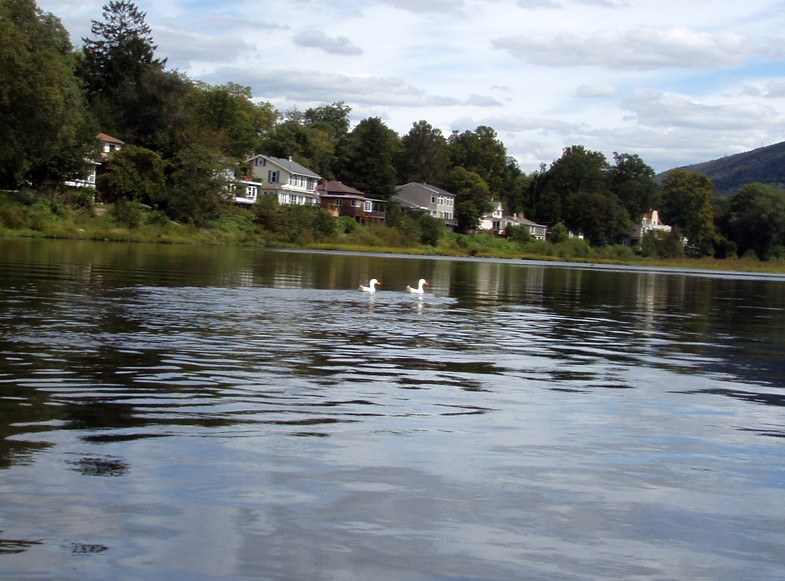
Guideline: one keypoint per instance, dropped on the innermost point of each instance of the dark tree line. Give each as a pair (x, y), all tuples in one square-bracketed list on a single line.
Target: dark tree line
[(182, 135)]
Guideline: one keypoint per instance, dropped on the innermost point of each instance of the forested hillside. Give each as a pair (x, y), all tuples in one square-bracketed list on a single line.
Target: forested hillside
[(765, 165)]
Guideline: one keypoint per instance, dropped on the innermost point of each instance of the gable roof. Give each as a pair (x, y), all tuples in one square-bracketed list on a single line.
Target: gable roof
[(109, 138), (288, 164), (428, 187), (337, 188)]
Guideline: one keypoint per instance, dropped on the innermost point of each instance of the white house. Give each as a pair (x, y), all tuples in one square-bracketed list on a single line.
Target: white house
[(108, 144), (650, 223), (497, 223), (291, 182), (245, 191), (434, 201)]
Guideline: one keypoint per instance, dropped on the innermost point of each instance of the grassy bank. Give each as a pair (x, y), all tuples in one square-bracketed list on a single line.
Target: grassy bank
[(73, 215)]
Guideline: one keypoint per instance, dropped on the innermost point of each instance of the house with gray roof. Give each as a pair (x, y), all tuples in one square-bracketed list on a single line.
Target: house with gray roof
[(292, 183), (426, 198)]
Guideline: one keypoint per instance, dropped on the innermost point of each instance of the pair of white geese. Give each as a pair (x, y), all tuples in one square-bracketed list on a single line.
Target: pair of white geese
[(371, 288)]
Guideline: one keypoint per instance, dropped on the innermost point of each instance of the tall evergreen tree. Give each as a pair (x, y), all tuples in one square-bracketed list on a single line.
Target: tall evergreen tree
[(367, 160), (131, 94)]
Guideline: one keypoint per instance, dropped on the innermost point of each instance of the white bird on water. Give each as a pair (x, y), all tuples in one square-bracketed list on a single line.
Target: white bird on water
[(371, 288), (419, 290)]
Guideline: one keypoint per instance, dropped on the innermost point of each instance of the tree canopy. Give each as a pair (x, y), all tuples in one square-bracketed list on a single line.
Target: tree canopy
[(46, 131)]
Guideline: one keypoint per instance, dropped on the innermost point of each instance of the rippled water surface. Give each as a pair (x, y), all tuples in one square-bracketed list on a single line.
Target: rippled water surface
[(193, 413)]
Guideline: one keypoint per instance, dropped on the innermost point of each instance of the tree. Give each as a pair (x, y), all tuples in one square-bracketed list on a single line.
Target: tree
[(687, 203), (472, 197), (230, 113), (632, 181), (757, 220), (515, 187), (332, 119), (601, 217), (481, 152), (126, 85), (577, 171), (134, 174), (367, 158), (424, 155), (45, 131), (197, 186)]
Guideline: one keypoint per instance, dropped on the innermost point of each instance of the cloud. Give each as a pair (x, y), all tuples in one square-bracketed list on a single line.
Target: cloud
[(656, 109), (770, 90), (535, 4), (235, 24), (422, 6), (326, 87), (480, 101), (182, 47), (644, 48), (317, 39), (597, 90)]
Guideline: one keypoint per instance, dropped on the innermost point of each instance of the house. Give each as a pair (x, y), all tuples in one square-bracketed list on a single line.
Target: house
[(291, 182), (244, 191), (497, 223), (342, 200), (107, 145), (650, 223), (429, 199)]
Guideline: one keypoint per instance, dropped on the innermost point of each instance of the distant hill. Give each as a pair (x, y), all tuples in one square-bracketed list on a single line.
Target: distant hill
[(765, 165)]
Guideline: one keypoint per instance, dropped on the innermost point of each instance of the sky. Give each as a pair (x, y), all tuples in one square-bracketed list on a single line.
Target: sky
[(674, 82)]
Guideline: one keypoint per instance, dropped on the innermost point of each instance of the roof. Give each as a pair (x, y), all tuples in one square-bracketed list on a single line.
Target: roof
[(288, 164), (109, 138), (337, 188), (428, 187)]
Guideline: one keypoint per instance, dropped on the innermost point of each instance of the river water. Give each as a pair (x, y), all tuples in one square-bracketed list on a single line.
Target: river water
[(171, 412)]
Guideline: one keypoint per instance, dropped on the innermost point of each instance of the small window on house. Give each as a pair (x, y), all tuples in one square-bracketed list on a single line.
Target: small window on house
[(272, 177)]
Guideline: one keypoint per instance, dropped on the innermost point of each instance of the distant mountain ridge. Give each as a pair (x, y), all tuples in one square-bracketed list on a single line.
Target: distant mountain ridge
[(765, 165)]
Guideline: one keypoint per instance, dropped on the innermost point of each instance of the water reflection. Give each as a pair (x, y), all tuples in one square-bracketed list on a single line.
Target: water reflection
[(200, 412)]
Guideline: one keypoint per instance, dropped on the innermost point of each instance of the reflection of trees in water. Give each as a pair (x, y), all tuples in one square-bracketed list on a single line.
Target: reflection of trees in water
[(99, 466)]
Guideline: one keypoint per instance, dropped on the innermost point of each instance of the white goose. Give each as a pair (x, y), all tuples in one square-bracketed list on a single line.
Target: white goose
[(419, 290), (371, 288)]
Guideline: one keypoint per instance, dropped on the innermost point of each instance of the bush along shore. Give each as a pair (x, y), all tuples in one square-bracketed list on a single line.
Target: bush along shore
[(72, 214)]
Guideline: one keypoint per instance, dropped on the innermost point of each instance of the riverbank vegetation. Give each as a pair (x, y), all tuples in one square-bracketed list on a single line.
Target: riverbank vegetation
[(72, 214), (168, 183)]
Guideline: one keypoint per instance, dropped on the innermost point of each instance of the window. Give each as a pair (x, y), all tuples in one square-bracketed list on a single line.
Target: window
[(272, 177), (368, 207), (433, 198)]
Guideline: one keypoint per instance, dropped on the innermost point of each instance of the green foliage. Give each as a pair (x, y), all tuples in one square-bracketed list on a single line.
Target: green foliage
[(134, 173), (632, 181), (480, 152), (425, 157), (46, 132), (197, 188), (231, 115), (346, 225), (687, 202), (559, 233), (127, 213), (431, 229), (367, 158), (757, 220), (472, 197), (519, 234), (267, 214)]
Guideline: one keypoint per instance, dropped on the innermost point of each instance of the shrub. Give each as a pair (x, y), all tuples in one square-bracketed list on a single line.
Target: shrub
[(126, 213), (13, 218)]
